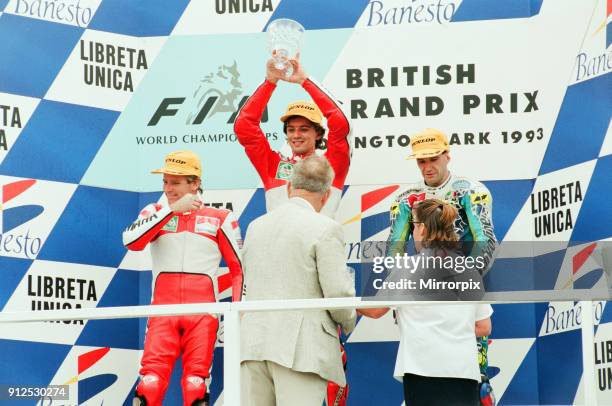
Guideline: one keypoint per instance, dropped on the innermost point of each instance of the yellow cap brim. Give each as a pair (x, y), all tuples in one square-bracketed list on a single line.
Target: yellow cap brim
[(284, 117), (174, 172), (427, 153)]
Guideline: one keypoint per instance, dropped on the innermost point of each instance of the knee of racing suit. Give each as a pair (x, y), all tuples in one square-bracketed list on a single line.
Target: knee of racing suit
[(152, 388), (194, 389)]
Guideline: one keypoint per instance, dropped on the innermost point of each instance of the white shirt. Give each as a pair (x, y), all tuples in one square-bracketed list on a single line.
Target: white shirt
[(439, 340)]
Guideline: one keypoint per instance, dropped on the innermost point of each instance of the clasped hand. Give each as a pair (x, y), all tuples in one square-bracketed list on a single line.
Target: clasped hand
[(274, 74)]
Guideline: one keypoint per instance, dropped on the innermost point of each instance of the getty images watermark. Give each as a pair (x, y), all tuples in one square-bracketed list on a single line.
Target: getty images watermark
[(431, 274), (515, 271)]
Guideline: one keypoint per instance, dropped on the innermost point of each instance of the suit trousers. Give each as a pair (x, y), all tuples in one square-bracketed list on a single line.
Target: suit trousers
[(266, 383)]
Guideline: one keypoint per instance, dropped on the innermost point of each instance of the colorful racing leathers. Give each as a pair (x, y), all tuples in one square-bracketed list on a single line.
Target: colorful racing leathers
[(274, 168), (473, 224), (186, 249)]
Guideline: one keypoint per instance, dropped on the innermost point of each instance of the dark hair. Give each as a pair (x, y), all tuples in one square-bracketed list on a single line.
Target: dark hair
[(193, 178), (438, 218), (320, 143)]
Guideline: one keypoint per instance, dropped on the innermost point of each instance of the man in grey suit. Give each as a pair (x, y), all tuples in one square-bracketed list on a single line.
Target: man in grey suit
[(293, 252)]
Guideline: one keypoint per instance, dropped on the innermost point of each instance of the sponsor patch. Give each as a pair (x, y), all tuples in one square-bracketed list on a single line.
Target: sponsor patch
[(480, 198), (206, 225), (460, 184), (394, 209), (172, 225), (415, 197), (284, 170)]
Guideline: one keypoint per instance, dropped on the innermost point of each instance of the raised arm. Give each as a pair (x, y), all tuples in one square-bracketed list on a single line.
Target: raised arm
[(338, 144), (338, 139), (250, 135)]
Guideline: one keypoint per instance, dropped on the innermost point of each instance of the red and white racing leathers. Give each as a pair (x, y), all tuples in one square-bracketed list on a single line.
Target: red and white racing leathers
[(186, 249), (274, 169)]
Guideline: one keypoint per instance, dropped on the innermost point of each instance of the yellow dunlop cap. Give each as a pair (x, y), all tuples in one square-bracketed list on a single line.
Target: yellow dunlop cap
[(305, 109), (428, 143), (181, 163)]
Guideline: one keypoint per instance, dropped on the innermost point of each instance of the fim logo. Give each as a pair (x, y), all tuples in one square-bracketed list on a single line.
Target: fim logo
[(217, 92)]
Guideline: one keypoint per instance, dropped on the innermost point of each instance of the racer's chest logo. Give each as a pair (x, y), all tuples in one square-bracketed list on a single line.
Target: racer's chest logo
[(172, 225), (414, 198), (206, 225), (284, 170)]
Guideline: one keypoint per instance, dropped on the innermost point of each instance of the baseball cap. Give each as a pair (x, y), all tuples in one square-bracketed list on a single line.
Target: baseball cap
[(181, 163), (305, 109), (428, 143)]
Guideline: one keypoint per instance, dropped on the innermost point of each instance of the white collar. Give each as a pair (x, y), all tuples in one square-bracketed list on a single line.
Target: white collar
[(300, 201)]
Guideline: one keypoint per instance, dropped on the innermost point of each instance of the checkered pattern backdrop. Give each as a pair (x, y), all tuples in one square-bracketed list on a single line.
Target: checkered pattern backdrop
[(93, 94)]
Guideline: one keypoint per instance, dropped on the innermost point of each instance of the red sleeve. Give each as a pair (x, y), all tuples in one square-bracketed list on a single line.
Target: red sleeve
[(144, 230), (229, 245), (250, 135), (338, 145)]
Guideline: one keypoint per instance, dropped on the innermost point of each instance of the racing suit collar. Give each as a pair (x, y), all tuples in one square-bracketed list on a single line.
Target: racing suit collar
[(301, 157), (441, 186)]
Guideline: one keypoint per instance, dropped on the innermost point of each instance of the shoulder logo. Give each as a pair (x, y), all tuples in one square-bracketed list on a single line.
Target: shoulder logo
[(172, 225), (480, 198), (394, 208), (460, 184)]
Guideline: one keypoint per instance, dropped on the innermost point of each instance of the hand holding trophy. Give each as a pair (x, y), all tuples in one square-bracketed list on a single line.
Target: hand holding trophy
[(296, 72), (284, 40), (293, 73)]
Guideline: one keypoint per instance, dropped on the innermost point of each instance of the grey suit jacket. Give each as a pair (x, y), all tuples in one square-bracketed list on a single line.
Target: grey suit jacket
[(294, 252)]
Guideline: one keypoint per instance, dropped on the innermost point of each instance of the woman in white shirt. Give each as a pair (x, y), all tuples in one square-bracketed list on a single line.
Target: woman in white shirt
[(437, 356)]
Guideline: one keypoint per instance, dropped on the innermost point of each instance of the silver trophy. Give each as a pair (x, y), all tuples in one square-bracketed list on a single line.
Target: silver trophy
[(284, 41)]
